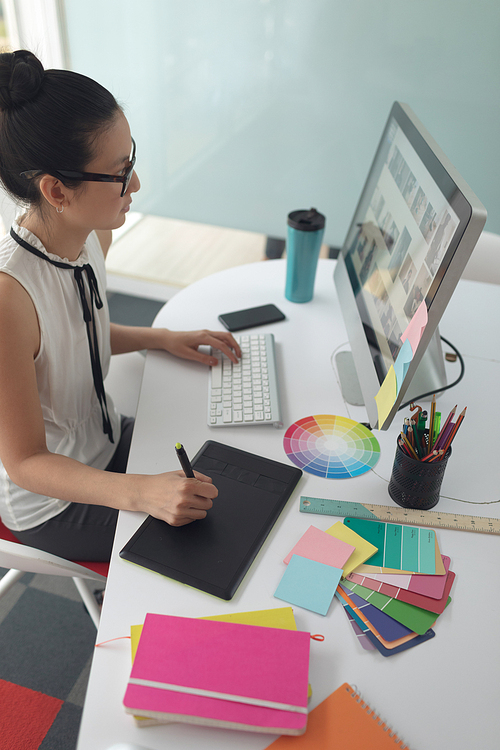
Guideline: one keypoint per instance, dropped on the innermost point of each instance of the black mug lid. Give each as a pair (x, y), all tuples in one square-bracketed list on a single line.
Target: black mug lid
[(306, 220)]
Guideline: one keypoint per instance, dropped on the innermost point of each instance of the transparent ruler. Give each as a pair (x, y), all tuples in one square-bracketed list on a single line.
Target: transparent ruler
[(435, 519)]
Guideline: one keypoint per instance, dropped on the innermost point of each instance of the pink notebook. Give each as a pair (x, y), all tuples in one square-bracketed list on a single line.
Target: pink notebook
[(217, 673)]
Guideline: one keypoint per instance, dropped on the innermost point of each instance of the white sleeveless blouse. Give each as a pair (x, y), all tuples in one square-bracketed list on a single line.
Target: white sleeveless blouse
[(70, 407)]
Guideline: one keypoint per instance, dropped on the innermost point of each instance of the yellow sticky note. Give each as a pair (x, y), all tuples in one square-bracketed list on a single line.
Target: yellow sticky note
[(386, 396), (363, 549)]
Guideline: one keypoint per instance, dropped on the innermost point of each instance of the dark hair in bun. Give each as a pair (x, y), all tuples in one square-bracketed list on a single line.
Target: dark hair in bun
[(20, 79), (49, 120)]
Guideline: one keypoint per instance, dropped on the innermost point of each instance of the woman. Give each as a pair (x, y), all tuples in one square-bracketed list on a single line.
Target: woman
[(67, 155)]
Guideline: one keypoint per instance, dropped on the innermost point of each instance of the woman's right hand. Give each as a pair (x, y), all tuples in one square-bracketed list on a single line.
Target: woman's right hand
[(174, 498)]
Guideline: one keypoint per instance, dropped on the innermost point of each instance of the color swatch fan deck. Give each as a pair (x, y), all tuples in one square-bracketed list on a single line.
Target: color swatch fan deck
[(331, 446)]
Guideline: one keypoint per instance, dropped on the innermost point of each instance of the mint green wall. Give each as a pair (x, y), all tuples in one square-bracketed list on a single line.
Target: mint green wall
[(244, 110)]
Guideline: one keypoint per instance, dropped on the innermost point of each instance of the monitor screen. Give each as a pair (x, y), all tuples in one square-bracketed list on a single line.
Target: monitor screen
[(412, 233)]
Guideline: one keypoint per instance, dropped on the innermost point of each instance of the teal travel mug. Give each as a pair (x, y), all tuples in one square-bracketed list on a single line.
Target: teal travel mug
[(305, 234)]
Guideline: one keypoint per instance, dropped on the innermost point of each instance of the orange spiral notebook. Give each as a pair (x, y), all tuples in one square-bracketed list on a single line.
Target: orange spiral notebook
[(343, 721)]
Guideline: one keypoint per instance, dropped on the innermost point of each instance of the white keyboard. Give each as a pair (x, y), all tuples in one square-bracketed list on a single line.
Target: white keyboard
[(245, 393)]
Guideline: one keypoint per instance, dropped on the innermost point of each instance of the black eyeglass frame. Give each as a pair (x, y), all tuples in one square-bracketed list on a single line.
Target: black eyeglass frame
[(67, 174)]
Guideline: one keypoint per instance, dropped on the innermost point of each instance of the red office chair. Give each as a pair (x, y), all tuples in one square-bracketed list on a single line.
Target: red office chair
[(21, 559)]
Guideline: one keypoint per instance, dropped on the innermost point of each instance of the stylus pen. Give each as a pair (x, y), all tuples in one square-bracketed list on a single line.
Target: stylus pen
[(185, 462)]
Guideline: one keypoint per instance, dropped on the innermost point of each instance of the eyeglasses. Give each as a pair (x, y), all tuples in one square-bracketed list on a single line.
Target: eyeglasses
[(63, 174)]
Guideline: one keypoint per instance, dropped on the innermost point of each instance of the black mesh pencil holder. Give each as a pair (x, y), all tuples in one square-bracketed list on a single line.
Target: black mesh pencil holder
[(416, 484)]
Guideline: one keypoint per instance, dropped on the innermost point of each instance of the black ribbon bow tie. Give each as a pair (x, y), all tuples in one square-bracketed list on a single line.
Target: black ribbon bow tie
[(88, 317)]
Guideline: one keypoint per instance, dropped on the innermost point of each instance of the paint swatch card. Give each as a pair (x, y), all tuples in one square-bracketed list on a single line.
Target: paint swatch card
[(308, 584), (386, 648), (432, 586), (379, 622), (369, 570), (418, 600), (403, 580), (363, 641), (415, 618), (363, 550), (322, 547), (402, 647), (406, 548)]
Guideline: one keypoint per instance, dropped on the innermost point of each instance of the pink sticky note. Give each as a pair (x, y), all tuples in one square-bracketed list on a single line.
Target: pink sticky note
[(322, 547), (416, 327)]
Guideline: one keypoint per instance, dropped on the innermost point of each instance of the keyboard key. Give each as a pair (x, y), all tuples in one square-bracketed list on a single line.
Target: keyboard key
[(216, 373)]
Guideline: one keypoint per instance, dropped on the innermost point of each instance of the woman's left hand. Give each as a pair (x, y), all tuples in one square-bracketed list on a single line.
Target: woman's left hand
[(185, 344)]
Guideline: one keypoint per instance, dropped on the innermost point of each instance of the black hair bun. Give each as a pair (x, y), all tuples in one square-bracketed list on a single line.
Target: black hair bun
[(21, 76)]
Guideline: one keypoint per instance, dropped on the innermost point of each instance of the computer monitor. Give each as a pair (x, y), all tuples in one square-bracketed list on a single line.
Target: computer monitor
[(415, 226)]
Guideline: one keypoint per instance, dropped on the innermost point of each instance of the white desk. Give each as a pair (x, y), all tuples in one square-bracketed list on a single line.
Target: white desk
[(441, 694)]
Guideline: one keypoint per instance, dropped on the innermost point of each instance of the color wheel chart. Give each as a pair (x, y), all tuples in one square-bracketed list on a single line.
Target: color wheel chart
[(330, 446)]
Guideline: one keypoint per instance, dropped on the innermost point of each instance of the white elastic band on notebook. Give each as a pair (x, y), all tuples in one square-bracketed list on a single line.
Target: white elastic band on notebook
[(220, 696)]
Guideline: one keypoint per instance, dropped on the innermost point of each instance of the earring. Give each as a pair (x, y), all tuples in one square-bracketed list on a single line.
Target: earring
[(60, 208)]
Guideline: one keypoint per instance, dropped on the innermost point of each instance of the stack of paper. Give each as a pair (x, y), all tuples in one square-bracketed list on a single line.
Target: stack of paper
[(217, 673), (391, 579), (281, 617), (316, 564)]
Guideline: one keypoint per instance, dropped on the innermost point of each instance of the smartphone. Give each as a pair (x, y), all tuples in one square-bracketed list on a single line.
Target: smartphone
[(251, 317)]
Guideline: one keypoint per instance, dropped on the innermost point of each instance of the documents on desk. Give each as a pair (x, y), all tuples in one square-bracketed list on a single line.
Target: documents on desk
[(250, 671)]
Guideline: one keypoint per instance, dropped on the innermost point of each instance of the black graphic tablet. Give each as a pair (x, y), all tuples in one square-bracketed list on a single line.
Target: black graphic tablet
[(214, 553)]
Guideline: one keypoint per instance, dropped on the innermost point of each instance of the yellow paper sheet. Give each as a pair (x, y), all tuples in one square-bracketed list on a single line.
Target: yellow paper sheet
[(363, 549)]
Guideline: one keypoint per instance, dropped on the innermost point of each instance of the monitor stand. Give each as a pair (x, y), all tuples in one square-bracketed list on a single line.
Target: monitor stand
[(429, 377)]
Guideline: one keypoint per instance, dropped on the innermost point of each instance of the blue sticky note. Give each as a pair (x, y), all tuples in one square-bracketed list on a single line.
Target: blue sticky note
[(308, 584), (402, 363)]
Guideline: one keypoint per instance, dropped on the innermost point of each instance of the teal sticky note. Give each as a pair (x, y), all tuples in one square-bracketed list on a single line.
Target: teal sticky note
[(308, 584), (402, 363)]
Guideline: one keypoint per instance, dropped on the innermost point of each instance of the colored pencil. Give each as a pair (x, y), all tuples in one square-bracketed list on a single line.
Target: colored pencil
[(431, 422), (407, 444), (437, 457), (436, 425), (412, 438), (454, 431), (443, 428)]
